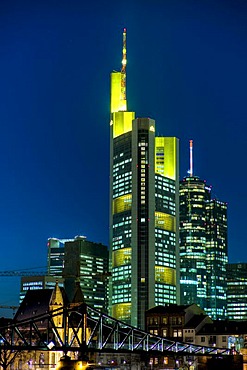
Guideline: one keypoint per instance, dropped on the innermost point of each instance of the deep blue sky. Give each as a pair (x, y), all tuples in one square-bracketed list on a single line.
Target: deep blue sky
[(186, 69)]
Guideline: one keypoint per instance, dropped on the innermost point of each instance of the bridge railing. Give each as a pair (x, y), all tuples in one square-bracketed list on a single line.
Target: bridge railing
[(82, 328)]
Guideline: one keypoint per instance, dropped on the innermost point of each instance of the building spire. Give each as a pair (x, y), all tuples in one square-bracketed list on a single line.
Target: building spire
[(191, 158), (123, 70)]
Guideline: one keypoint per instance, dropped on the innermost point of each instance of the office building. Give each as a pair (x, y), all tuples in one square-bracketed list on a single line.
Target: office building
[(81, 261), (55, 256), (38, 282), (203, 246), (193, 196), (144, 252), (217, 258), (237, 291)]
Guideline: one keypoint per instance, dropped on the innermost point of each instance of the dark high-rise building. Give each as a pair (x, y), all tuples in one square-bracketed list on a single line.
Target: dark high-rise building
[(55, 256), (217, 258), (203, 247), (144, 253), (237, 291), (81, 261)]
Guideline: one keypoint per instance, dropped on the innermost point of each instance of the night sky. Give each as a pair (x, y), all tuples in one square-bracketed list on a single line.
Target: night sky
[(187, 63)]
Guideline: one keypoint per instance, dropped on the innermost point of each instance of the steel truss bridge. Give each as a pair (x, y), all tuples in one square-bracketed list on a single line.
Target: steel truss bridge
[(83, 329)]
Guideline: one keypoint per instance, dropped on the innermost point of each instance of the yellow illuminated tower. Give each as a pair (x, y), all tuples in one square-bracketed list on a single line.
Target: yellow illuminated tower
[(144, 188)]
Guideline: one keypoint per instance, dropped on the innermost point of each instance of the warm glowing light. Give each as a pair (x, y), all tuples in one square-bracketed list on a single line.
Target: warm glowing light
[(122, 123), (117, 103), (165, 275), (121, 311), (165, 221), (121, 257), (166, 156), (122, 203)]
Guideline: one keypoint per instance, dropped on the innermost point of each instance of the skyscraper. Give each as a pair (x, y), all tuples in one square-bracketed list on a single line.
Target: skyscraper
[(144, 253), (237, 291), (81, 261), (203, 246), (217, 258), (194, 193)]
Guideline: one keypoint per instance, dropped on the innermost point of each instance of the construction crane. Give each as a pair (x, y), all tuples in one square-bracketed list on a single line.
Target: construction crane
[(14, 308), (24, 272)]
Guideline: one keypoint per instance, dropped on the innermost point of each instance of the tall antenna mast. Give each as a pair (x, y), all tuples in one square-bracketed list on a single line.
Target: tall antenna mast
[(191, 158), (123, 70)]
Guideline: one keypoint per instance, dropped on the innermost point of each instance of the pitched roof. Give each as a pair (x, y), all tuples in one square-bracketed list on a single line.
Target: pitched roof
[(36, 302), (224, 327), (195, 321)]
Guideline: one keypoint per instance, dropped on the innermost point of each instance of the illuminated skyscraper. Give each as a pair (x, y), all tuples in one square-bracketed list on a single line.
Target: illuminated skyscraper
[(203, 246), (237, 291), (81, 261), (194, 193), (217, 258), (144, 187)]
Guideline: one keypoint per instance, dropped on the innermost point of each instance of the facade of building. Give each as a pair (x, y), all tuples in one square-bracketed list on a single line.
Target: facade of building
[(194, 193), (38, 282), (176, 323), (203, 247), (144, 253), (224, 334), (170, 320), (237, 291), (217, 258), (79, 260), (55, 256)]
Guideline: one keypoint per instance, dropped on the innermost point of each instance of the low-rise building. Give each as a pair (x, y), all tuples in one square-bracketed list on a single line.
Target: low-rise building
[(170, 320), (224, 334)]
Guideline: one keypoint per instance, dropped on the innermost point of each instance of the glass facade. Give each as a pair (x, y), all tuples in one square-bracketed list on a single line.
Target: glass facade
[(237, 291), (79, 260), (144, 249), (203, 247), (193, 196), (217, 258)]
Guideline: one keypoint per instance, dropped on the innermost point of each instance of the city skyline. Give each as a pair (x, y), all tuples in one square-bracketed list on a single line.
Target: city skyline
[(55, 111)]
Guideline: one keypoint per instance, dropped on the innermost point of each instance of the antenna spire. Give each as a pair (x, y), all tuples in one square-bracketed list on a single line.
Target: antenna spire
[(191, 158), (123, 70)]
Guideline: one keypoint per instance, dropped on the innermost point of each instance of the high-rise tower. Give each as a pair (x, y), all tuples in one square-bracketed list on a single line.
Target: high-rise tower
[(144, 254), (79, 260), (217, 258), (237, 291), (203, 245)]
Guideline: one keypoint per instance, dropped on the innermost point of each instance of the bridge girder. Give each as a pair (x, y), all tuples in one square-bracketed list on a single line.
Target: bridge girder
[(83, 329)]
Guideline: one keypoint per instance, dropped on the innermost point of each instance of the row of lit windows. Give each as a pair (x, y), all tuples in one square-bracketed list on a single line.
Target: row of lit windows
[(171, 299), (165, 197), (115, 165), (120, 274), (120, 187), (125, 223), (165, 257), (122, 176), (161, 179)]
